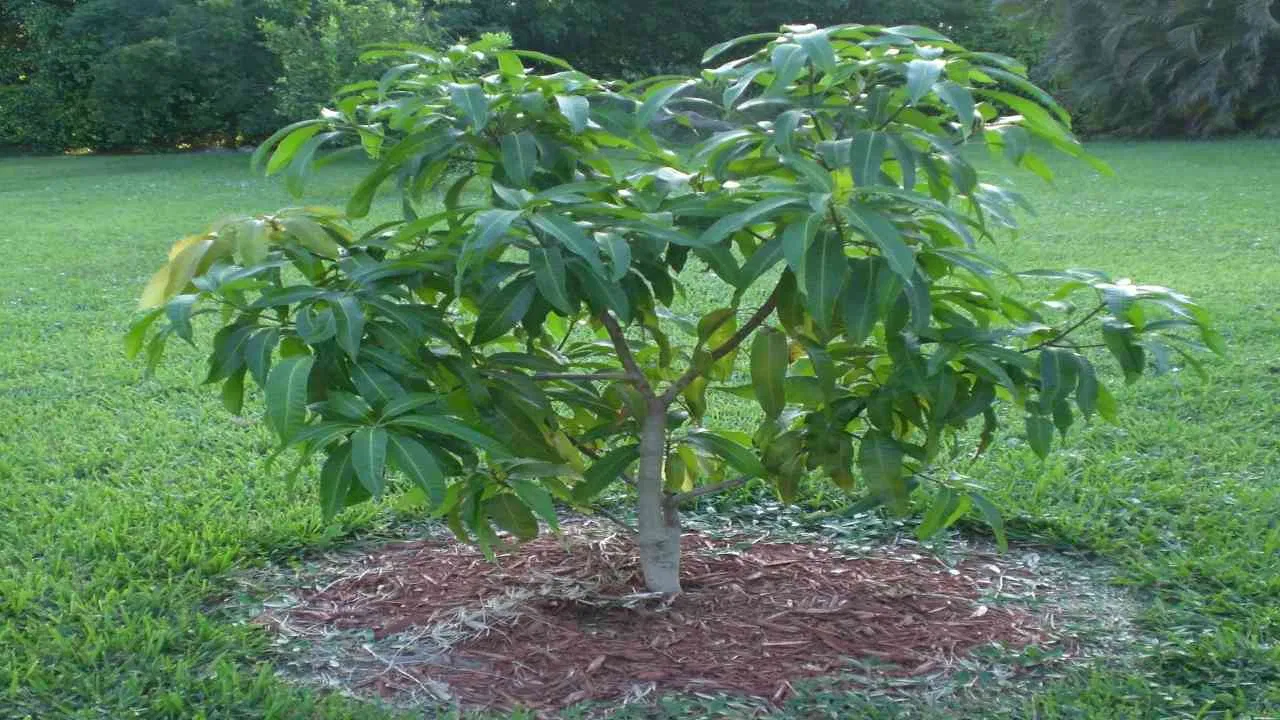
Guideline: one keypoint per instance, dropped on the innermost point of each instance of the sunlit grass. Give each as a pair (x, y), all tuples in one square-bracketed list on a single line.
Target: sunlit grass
[(127, 501)]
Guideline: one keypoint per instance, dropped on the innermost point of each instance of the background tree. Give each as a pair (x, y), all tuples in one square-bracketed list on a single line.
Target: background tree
[(319, 49), (1160, 67), (521, 344), (636, 39)]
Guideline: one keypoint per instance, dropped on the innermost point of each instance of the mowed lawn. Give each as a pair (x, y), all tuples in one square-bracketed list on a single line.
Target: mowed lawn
[(125, 502)]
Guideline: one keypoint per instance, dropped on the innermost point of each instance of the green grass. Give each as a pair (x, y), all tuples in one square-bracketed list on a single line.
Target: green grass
[(125, 503)]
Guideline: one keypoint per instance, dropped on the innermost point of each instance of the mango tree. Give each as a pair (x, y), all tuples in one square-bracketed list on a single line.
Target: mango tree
[(508, 335)]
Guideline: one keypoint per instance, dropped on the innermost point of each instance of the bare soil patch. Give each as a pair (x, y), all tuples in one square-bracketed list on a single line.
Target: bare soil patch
[(565, 619)]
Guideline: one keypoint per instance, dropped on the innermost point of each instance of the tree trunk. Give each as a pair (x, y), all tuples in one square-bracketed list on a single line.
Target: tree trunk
[(659, 525)]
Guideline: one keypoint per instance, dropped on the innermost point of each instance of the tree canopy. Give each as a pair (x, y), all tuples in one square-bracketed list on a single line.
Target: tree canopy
[(522, 344)]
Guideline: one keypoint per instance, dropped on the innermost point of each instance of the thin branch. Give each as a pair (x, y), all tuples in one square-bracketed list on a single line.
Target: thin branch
[(757, 319), (1069, 330), (892, 117), (613, 519), (621, 347), (547, 377), (682, 498)]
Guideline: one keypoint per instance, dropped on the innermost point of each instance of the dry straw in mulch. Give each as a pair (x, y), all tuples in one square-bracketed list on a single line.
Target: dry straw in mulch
[(564, 619)]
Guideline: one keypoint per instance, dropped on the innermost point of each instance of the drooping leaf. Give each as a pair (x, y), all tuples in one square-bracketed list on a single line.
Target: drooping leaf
[(738, 457), (921, 75), (503, 310), (866, 154), (472, 103), (604, 472), (1040, 434), (350, 323), (880, 461), (825, 271), (369, 456), (512, 515), (336, 477), (549, 275), (769, 360), (538, 500), (418, 464), (519, 157), (286, 395), (576, 109)]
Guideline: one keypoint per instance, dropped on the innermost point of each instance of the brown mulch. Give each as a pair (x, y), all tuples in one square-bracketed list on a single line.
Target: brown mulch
[(577, 625)]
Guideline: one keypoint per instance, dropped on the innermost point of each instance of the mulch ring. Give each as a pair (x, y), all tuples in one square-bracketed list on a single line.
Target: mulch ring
[(564, 619)]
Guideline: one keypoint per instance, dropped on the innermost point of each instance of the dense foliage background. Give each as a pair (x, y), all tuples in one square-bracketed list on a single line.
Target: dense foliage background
[(112, 74)]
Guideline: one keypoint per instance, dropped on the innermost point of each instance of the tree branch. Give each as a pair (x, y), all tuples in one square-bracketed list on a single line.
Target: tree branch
[(756, 320), (613, 519), (547, 377), (621, 347), (1069, 330), (678, 500)]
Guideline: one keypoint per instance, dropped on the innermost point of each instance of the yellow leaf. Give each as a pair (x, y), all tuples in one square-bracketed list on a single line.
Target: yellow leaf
[(186, 263), (153, 295)]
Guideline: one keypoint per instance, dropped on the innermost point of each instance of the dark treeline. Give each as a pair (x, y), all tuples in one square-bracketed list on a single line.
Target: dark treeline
[(110, 74)]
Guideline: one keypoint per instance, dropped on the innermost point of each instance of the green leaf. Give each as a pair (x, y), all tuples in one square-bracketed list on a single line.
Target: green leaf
[(512, 515), (991, 516), (921, 75), (374, 384), (619, 255), (409, 403), (289, 147), (572, 237), (503, 310), (960, 101), (1040, 434), (538, 499), (1107, 406), (760, 261), (257, 353), (418, 464), (738, 457), (519, 157), (576, 109), (796, 239), (260, 155), (719, 48), (788, 60), (604, 472), (866, 155), (369, 455), (491, 226), (1057, 376), (442, 425), (657, 99), (887, 237), (757, 213), (138, 332), (335, 481), (818, 48), (472, 103), (860, 303), (547, 265), (352, 407), (825, 270), (1119, 340), (880, 461), (350, 323), (784, 127), (233, 392), (286, 395), (770, 357), (1087, 389)]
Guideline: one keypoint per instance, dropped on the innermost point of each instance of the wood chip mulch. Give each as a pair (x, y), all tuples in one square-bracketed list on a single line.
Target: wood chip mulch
[(753, 617)]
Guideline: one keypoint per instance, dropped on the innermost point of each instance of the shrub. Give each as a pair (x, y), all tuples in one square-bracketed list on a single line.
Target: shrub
[(516, 347)]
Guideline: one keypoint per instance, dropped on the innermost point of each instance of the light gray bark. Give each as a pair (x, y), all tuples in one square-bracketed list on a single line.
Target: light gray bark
[(658, 528)]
